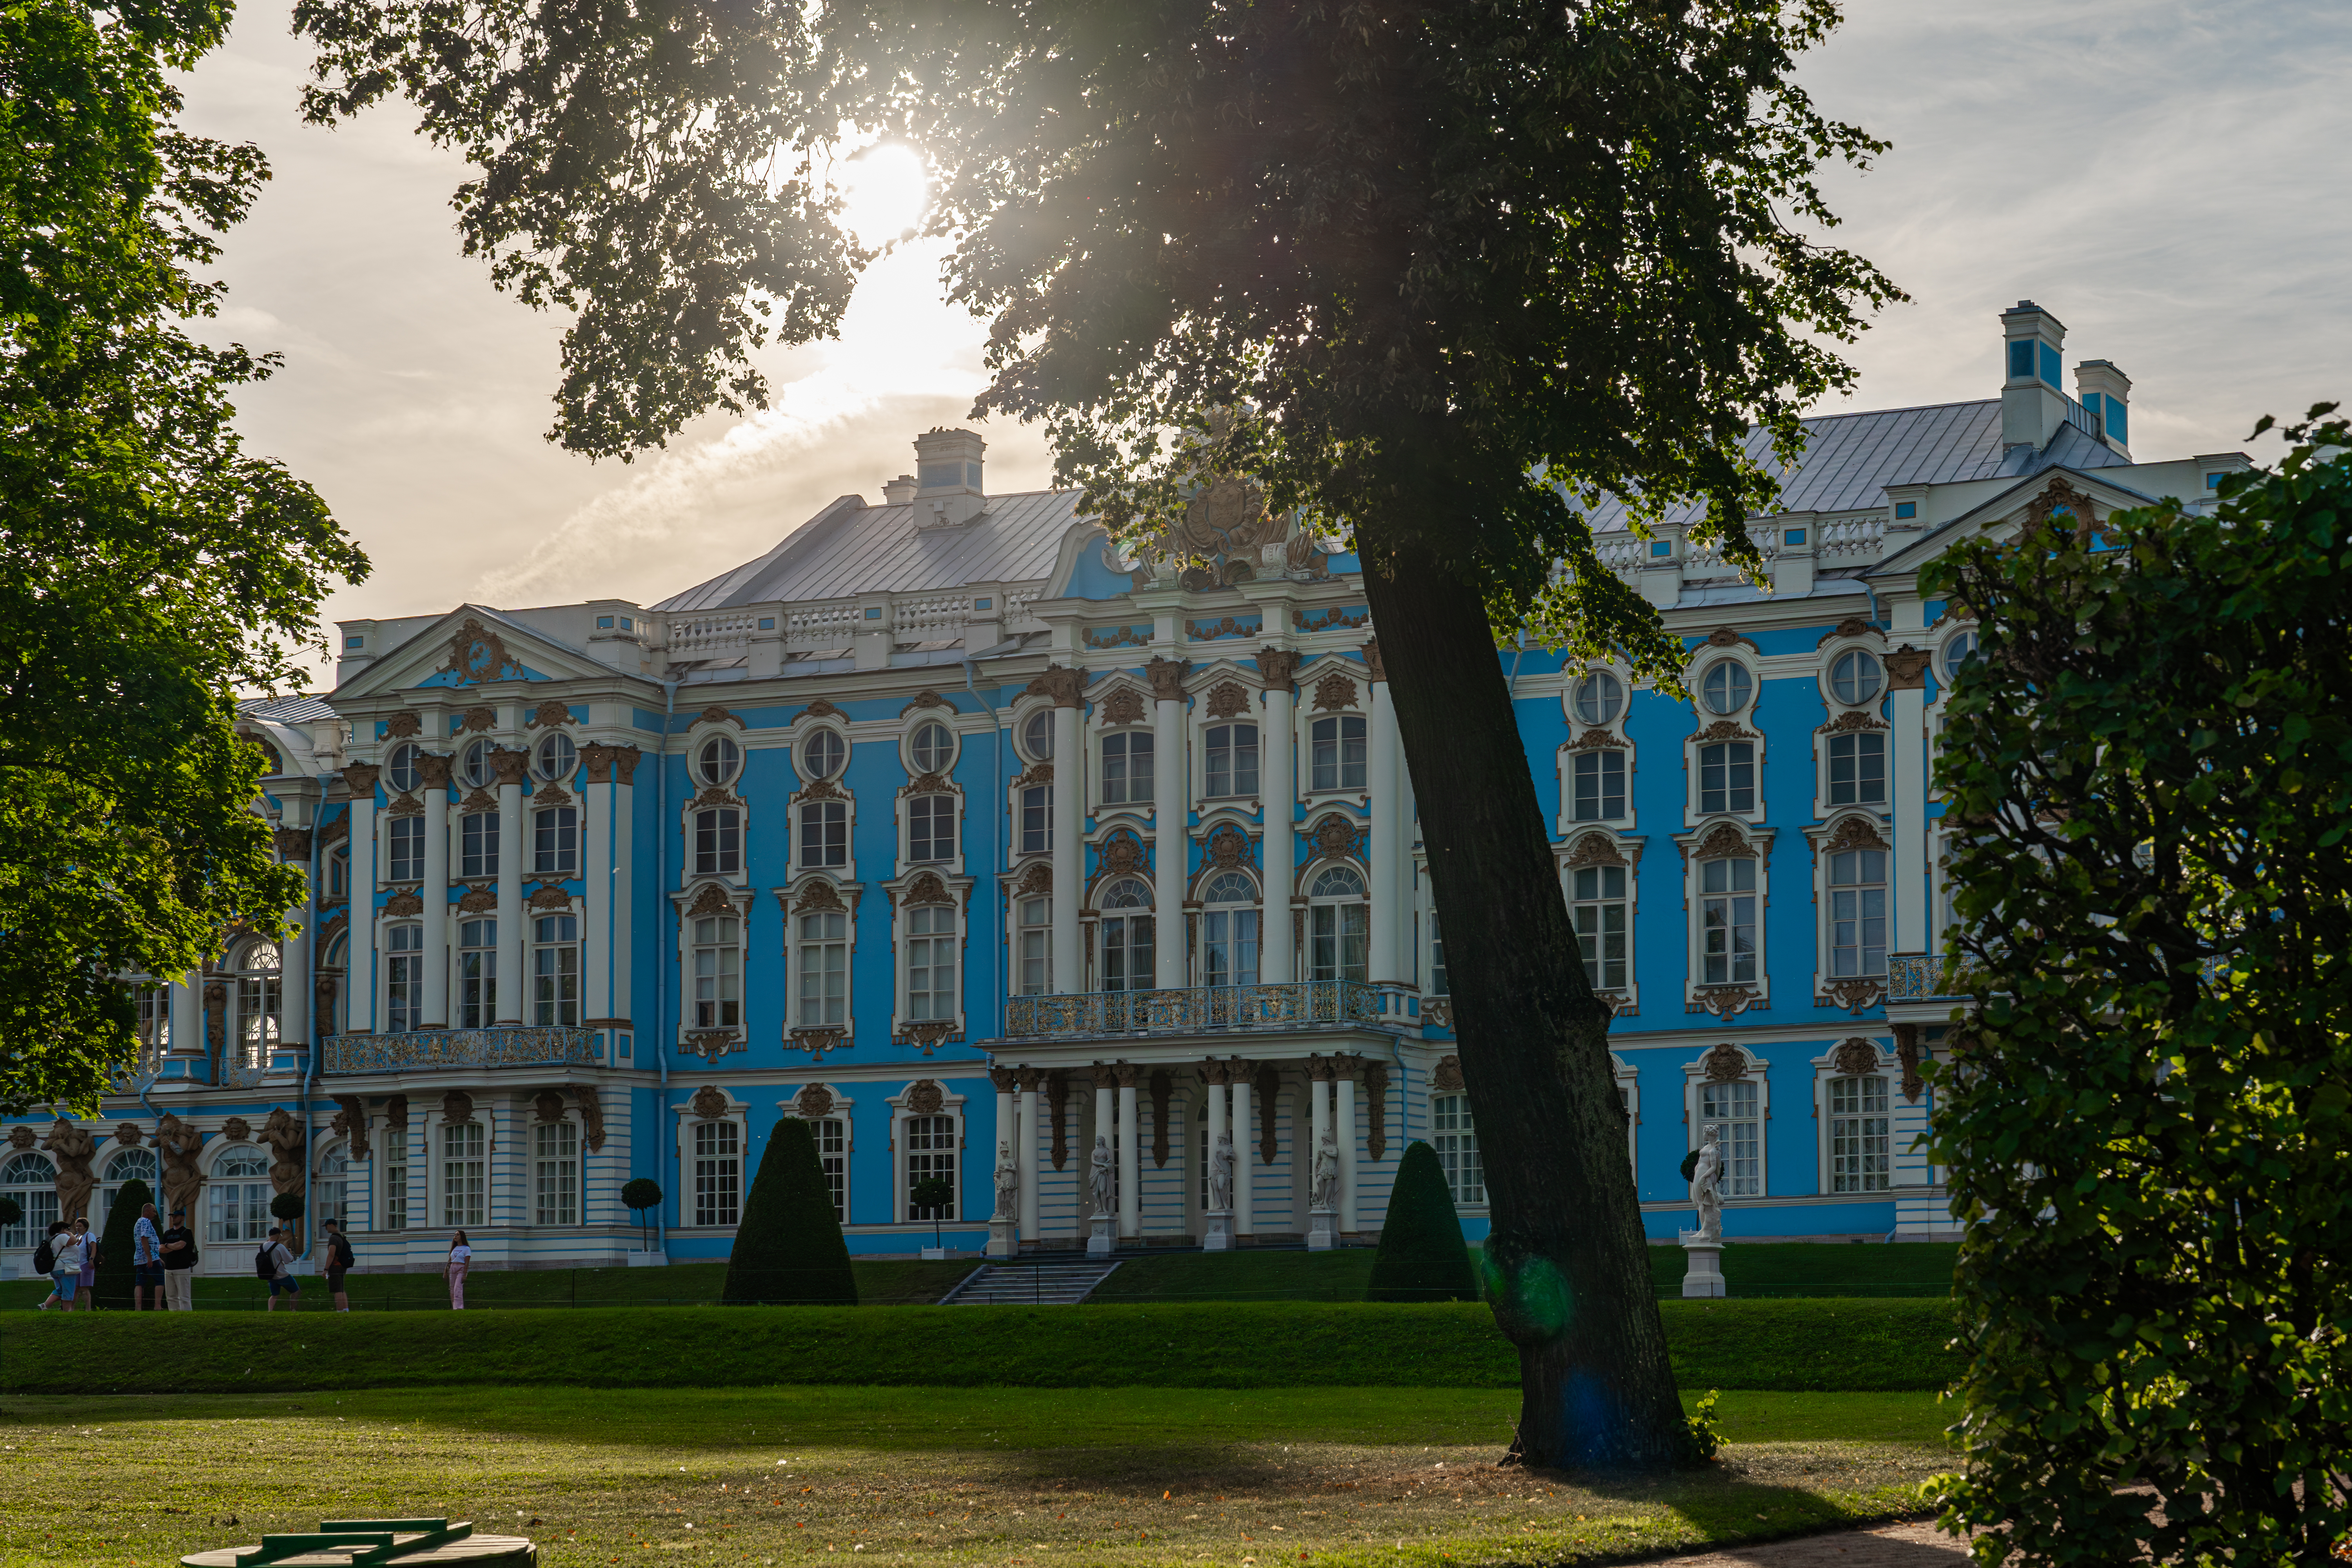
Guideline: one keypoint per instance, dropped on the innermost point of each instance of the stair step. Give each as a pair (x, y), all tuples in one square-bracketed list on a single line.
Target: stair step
[(1044, 1285)]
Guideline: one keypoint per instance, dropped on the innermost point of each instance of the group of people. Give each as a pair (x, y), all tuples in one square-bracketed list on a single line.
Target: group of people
[(163, 1262)]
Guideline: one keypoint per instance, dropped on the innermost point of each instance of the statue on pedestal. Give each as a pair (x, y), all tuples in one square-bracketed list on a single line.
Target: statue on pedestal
[(1706, 1186), (1221, 1173), (1324, 1189), (1102, 1181), (1008, 1181)]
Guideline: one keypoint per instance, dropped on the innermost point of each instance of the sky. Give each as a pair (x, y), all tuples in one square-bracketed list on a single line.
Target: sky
[(2165, 176)]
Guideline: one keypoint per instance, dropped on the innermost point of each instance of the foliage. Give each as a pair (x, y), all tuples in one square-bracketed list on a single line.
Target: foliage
[(1420, 1255), (11, 1211), (287, 1206), (1706, 1430), (116, 1250), (2145, 1116), (932, 1193), (788, 1245), (148, 566), (641, 1193)]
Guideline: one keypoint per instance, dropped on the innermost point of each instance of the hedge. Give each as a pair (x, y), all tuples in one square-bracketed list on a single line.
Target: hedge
[(1846, 1345)]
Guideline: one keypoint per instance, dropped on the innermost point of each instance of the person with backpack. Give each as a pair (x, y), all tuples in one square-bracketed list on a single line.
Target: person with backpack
[(85, 1297), (180, 1264), (340, 1259), (63, 1280), (146, 1262), (461, 1259), (275, 1263)]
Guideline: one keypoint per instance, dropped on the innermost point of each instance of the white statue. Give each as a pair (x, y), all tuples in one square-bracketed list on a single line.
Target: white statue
[(1706, 1186), (1221, 1173), (1008, 1181), (1102, 1182), (1325, 1188)]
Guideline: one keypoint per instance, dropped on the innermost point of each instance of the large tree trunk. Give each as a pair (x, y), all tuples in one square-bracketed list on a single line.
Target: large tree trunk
[(1568, 1270)]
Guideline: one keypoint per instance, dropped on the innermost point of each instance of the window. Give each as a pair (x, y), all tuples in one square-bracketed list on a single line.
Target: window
[(931, 1151), (1730, 1109), (401, 769), (930, 963), (555, 841), (154, 1023), (1905, 509), (1126, 936), (333, 1191), (1958, 654), (1036, 819), (474, 765), (1233, 759), (555, 972), (717, 979), (1858, 770), (32, 1181), (1853, 677), (1858, 912), (478, 844), (1727, 776), (339, 873), (1037, 736), (1337, 752), (557, 759), (1727, 922), (1858, 1156), (404, 979), (716, 760), (1337, 931), (933, 749), (238, 1209), (1600, 924), (1725, 686), (464, 1184), (824, 833), (131, 1165), (825, 969), (407, 857), (258, 999), (930, 827), (833, 1159), (1036, 946), (1599, 794), (718, 841), (1599, 698), (555, 1173), (395, 1183), (1457, 1143), (718, 1171), (823, 754), (1127, 768), (1437, 982), (1229, 926), (477, 973)]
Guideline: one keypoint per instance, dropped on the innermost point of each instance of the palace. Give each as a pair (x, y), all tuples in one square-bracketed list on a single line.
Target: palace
[(946, 828)]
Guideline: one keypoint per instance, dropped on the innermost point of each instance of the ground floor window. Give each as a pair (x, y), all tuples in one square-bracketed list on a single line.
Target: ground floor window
[(332, 1197), (1858, 1142), (32, 1181), (1731, 1109), (717, 1173), (1457, 1143), (931, 1152), (832, 1158), (464, 1185), (240, 1193), (555, 1173), (396, 1186)]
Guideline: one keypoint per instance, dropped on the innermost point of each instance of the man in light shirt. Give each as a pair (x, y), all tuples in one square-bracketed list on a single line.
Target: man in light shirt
[(146, 1262)]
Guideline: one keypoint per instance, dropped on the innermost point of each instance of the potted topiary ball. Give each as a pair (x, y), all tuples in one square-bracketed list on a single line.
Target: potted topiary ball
[(639, 1197), (934, 1193)]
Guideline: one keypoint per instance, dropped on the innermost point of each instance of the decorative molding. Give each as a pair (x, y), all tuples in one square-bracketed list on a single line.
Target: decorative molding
[(715, 714), (930, 1034), (351, 1122), (1727, 729), (820, 895), (1724, 637), (1851, 627), (549, 714), (433, 769), (926, 698), (480, 800), (1724, 1001), (821, 708), (1344, 617), (1446, 1077), (405, 805), (1335, 837), (1596, 736), (925, 889), (816, 1040), (128, 1134), (1036, 877), (709, 1044), (1227, 516), (931, 784), (1725, 1063), (1036, 773), (1906, 1052), (549, 795), (1375, 1102), (1854, 1058), (335, 831), (1228, 847), (402, 904), (335, 927), (813, 1102), (1167, 678), (1223, 626), (1907, 668), (1853, 993), (547, 896), (1855, 833), (21, 1136), (1228, 697), (479, 655), (1595, 849), (1373, 660), (592, 1115), (401, 725), (1437, 1012), (510, 766), (713, 795), (395, 1113), (1858, 719), (548, 1105), (1723, 842), (1123, 706), (710, 1103), (1121, 855), (1277, 668), (291, 843), (1334, 691), (480, 719), (925, 1098), (609, 764), (1115, 636), (1066, 686), (480, 900), (713, 900), (823, 789), (2063, 497), (360, 778)]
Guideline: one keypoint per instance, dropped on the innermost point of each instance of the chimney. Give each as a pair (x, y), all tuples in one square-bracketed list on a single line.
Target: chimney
[(947, 487), (2033, 403), (2107, 392), (898, 491)]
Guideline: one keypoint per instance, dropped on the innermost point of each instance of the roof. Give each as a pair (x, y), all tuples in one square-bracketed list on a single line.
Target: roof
[(300, 709), (851, 548)]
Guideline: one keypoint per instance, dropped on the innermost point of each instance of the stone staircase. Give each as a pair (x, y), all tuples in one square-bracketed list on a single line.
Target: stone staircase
[(1028, 1284)]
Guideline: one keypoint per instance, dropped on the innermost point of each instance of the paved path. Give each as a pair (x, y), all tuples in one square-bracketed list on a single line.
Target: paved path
[(1889, 1546)]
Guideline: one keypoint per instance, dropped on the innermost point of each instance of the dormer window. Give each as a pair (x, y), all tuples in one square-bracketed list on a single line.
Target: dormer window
[(1905, 509)]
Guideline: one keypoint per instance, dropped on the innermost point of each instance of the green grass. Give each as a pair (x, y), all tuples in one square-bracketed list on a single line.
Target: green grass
[(1820, 1269), (1791, 1345)]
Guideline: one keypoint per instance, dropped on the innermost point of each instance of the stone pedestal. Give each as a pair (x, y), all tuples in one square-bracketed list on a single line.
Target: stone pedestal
[(1000, 1239), (1322, 1231), (1098, 1240), (935, 1254), (648, 1259), (1703, 1270), (1221, 1232)]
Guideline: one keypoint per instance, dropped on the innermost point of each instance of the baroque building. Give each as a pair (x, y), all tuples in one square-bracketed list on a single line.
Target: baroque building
[(946, 829)]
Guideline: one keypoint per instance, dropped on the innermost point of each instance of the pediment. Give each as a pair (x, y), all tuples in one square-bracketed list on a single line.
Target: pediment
[(471, 646), (1998, 515)]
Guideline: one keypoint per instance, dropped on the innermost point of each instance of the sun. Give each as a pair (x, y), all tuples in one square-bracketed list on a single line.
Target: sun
[(883, 193)]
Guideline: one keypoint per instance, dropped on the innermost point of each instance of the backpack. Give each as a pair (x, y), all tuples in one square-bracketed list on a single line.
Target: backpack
[(263, 1265), (344, 1257), (45, 1257)]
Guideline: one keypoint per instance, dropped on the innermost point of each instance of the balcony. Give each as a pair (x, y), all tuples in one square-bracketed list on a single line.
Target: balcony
[(425, 1050), (1207, 1009), (1921, 978)]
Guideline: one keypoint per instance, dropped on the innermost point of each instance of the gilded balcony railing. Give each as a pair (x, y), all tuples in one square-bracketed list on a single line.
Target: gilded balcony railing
[(424, 1049), (1196, 1009), (1920, 977)]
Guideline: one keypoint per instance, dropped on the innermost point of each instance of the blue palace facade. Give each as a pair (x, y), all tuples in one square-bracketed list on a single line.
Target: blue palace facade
[(949, 830)]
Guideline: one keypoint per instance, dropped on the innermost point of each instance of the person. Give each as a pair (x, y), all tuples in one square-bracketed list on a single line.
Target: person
[(179, 1252), (461, 1259), (340, 1258), (146, 1262), (281, 1278), (86, 1291), (65, 1274)]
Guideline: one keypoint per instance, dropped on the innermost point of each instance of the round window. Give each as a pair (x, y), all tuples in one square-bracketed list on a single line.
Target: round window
[(557, 758), (1725, 686), (475, 766), (402, 769), (822, 754), (1853, 677), (1958, 654), (933, 749), (715, 763), (1037, 736), (1599, 698)]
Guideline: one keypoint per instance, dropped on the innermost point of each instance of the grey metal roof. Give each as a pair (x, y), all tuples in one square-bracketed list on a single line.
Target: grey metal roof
[(285, 710), (851, 548), (1849, 458)]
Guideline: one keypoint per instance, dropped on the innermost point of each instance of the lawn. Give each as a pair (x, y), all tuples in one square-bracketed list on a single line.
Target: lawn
[(1025, 1477), (1750, 1269)]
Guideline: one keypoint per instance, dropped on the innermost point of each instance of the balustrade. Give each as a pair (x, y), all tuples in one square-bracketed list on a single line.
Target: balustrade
[(1196, 1009), (426, 1049)]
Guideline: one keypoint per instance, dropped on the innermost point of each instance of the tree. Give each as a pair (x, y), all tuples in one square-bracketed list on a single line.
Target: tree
[(116, 1248), (638, 1195), (934, 1193), (1422, 1256), (788, 1245), (1440, 274), (148, 566), (2146, 1118)]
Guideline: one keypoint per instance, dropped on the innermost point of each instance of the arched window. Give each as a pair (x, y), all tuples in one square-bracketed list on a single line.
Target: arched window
[(331, 1198), (259, 1002), (1731, 1108), (933, 749), (239, 1195), (1126, 935), (1339, 923), (1229, 931), (32, 1181), (130, 1166), (716, 760), (473, 767)]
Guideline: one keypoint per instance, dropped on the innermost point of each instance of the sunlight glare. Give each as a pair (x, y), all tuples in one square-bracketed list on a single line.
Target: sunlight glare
[(883, 192)]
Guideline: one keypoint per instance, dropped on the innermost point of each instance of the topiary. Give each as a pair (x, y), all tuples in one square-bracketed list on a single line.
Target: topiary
[(11, 1211), (637, 1197), (1422, 1257), (115, 1246), (788, 1245)]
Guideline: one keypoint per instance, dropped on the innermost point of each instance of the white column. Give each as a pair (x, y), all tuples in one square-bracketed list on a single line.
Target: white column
[(186, 1001), (359, 945), (1388, 907), (1007, 1130), (514, 979), (1070, 860), (1214, 1089), (1343, 1127), (1276, 944), (1026, 1151), (432, 786), (1105, 1126), (1318, 1075), (297, 985), (596, 848), (1907, 712), (1171, 794), (1130, 1168), (1244, 1162)]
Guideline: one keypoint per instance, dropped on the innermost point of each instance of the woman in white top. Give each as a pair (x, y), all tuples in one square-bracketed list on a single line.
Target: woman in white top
[(65, 1267), (461, 1257)]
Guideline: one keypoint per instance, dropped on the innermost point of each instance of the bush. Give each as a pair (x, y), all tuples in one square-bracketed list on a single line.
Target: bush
[(788, 1246), (638, 1195), (115, 1247), (1422, 1256)]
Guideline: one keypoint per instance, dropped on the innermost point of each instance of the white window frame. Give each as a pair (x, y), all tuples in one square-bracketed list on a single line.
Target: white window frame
[(216, 1183), (458, 976), (1580, 854), (1303, 964), (959, 891), (688, 1119), (1096, 915), (1461, 1203), (437, 1172), (1825, 741), (952, 865), (1695, 1082), (1098, 767), (1721, 838), (384, 1000), (952, 1106), (532, 947), (790, 898), (1200, 770), (1847, 826), (1302, 758), (686, 900), (1889, 1073), (38, 1199), (578, 1154), (1199, 957)]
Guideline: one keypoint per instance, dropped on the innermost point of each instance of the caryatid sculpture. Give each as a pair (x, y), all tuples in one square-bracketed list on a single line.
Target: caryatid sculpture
[(180, 1144), (1102, 1181), (1008, 1181), (1707, 1179), (1221, 1173), (1325, 1188), (70, 1142)]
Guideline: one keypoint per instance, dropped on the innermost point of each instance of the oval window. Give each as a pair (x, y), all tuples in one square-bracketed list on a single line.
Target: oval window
[(1726, 686), (1853, 677), (1599, 698), (822, 754), (557, 758), (933, 749), (715, 763), (401, 771), (1037, 736)]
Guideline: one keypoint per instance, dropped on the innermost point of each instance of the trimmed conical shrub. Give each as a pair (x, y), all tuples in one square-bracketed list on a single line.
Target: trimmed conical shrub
[(788, 1245), (1422, 1257), (115, 1246)]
